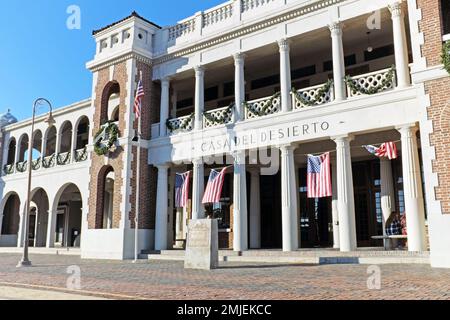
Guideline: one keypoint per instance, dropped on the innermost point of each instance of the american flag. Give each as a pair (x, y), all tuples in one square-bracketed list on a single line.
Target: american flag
[(386, 150), (138, 99), (213, 191), (319, 176), (182, 189)]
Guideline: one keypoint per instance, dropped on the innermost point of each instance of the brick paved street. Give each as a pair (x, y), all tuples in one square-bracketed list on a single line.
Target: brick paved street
[(168, 280)]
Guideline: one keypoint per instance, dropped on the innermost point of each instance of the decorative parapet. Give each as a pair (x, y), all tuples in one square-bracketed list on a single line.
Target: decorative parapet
[(217, 15)]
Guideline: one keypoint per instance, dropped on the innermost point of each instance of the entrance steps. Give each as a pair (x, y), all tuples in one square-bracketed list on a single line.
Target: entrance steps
[(306, 256)]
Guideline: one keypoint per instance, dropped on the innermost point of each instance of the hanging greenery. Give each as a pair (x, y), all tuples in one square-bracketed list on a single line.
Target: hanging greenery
[(317, 97), (388, 81), (63, 158), (21, 166), (81, 155), (183, 125), (221, 119), (36, 164), (8, 169), (49, 162), (265, 108), (445, 57), (109, 132)]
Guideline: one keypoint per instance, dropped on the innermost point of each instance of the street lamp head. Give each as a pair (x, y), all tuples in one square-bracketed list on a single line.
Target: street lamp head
[(50, 120)]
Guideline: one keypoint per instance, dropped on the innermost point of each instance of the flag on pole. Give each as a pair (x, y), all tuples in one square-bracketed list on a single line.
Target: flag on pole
[(213, 191), (319, 176), (138, 99), (182, 189), (386, 150)]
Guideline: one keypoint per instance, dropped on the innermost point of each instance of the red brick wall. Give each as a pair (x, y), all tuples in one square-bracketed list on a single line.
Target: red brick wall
[(431, 26), (115, 159), (438, 90)]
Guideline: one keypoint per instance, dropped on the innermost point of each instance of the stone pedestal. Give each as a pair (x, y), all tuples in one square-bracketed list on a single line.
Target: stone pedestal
[(202, 249)]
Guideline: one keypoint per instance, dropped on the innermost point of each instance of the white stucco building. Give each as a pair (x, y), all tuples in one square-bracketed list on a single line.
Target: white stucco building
[(219, 91)]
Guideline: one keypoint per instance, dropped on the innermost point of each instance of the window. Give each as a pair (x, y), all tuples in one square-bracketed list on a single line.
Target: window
[(303, 72), (185, 103), (212, 93), (228, 89), (349, 61), (378, 53), (265, 82), (445, 11)]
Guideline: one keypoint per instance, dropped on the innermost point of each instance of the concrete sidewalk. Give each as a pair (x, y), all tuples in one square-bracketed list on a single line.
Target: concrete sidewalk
[(13, 293)]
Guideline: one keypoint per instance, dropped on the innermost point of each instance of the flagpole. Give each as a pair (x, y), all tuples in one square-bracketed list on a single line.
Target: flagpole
[(138, 185)]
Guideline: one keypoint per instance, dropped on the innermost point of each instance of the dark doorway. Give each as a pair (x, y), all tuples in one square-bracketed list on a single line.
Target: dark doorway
[(271, 235), (367, 190), (315, 218)]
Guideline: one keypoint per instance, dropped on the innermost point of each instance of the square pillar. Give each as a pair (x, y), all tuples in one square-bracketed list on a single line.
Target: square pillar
[(161, 209)]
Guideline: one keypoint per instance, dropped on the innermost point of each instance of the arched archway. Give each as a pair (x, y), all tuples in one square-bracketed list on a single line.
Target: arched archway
[(65, 133), (23, 148), (110, 102), (38, 222), (69, 204), (104, 209), (10, 220), (10, 157)]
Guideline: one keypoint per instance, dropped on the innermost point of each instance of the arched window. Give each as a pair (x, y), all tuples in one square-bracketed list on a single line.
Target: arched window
[(82, 133), (50, 144), (37, 145), (108, 198), (23, 148), (65, 144), (11, 152), (110, 101), (115, 114)]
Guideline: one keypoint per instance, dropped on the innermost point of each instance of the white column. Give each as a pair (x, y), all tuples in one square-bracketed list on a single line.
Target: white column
[(334, 206), (387, 192), (179, 228), (240, 225), (338, 61), (255, 209), (239, 85), (21, 233), (198, 187), (400, 45), (199, 96), (164, 112), (289, 199), (412, 188), (346, 198), (285, 75), (161, 209), (51, 226)]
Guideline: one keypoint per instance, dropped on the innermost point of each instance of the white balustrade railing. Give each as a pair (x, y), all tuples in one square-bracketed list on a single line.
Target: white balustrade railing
[(263, 107), (372, 80), (217, 117), (309, 97), (248, 5), (218, 14), (181, 29), (182, 124)]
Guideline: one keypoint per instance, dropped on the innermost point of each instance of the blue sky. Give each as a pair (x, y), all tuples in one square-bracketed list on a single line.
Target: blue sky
[(41, 57)]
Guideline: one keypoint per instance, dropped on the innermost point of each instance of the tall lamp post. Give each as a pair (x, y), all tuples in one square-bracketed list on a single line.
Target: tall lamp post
[(25, 261)]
